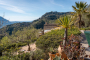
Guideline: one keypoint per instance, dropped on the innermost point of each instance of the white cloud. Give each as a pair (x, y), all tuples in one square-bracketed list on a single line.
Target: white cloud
[(11, 7), (52, 1)]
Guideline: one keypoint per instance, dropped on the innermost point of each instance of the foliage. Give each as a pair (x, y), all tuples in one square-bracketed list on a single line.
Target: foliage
[(74, 31), (49, 41), (53, 38), (80, 7), (38, 55), (39, 24), (24, 56), (33, 55), (65, 21), (18, 39), (30, 35), (5, 40), (8, 58), (74, 49), (16, 44), (14, 27), (87, 28), (85, 18)]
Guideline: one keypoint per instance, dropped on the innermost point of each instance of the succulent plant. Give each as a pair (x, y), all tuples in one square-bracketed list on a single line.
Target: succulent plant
[(73, 48)]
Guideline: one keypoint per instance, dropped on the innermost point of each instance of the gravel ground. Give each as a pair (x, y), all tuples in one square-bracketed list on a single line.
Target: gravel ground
[(25, 48)]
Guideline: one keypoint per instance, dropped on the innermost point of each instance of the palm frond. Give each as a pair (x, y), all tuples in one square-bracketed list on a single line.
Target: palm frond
[(74, 8), (77, 4), (80, 7), (65, 21)]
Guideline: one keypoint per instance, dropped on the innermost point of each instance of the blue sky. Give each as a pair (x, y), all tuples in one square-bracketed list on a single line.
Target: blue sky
[(29, 10)]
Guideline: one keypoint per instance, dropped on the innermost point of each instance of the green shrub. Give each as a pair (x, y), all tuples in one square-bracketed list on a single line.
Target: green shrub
[(53, 38), (38, 55), (9, 58), (16, 44), (87, 28), (24, 56), (21, 44), (74, 31), (47, 41), (33, 55)]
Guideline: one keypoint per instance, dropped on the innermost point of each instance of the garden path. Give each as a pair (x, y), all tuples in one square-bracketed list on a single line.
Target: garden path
[(25, 48), (32, 46), (85, 44)]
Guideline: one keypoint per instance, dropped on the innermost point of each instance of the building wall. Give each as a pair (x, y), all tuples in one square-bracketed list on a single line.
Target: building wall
[(49, 26)]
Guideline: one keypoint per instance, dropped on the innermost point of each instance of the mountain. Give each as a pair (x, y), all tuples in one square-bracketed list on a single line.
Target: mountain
[(48, 17), (4, 22)]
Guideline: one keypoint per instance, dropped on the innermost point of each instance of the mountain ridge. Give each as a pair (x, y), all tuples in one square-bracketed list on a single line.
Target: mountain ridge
[(49, 17), (4, 22)]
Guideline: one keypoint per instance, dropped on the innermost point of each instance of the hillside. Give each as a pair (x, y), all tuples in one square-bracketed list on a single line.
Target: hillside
[(48, 17), (4, 22), (9, 29)]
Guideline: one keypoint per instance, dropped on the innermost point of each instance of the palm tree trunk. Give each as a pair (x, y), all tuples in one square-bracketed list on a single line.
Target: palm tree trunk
[(65, 36), (79, 20)]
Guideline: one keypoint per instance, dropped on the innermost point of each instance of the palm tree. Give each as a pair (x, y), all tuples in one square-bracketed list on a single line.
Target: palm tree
[(65, 22), (79, 9)]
